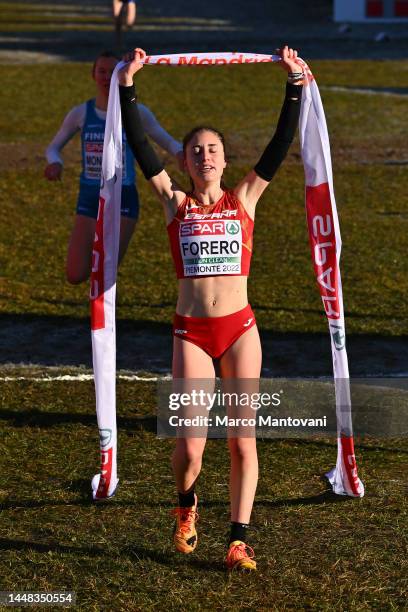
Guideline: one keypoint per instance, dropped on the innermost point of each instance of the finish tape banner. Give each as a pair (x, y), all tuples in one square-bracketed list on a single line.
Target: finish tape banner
[(325, 241), (102, 297)]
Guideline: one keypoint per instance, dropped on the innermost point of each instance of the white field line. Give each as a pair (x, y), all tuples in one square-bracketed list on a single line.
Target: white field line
[(81, 378), (137, 378), (358, 90)]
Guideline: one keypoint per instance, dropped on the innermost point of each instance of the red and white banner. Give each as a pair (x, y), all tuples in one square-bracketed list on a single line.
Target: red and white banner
[(325, 240), (102, 296), (210, 59)]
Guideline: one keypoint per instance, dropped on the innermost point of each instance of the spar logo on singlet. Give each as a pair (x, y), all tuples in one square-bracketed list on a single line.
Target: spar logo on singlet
[(93, 151), (211, 246)]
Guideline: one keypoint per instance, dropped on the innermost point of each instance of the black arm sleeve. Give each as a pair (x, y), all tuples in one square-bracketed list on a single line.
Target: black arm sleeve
[(278, 147), (144, 153)]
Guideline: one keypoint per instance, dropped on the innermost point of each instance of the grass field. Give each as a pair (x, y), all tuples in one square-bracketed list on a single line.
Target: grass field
[(366, 136), (315, 551)]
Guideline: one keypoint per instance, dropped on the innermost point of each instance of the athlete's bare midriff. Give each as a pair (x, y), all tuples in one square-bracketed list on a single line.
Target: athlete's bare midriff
[(212, 296)]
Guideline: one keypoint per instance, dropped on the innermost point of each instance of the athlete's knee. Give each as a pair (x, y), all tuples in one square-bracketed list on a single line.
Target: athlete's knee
[(242, 448), (191, 453), (74, 277), (127, 227)]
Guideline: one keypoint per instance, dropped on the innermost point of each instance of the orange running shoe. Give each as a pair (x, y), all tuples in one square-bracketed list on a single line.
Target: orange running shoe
[(185, 534), (238, 557)]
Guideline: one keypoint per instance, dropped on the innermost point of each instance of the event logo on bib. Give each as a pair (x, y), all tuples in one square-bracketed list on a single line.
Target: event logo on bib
[(211, 247), (232, 228)]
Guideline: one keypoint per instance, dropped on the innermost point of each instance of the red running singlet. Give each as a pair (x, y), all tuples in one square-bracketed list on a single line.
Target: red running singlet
[(214, 240)]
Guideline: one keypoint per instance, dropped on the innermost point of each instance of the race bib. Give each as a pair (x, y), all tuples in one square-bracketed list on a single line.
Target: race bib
[(211, 247), (93, 160)]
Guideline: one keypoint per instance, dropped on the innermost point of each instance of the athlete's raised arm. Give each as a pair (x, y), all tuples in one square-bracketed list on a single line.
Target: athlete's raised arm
[(252, 186), (169, 193)]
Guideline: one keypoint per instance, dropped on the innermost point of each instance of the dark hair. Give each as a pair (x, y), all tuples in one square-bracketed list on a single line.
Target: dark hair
[(104, 54), (204, 128)]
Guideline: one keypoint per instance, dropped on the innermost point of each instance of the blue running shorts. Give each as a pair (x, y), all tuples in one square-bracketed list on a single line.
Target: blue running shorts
[(88, 201)]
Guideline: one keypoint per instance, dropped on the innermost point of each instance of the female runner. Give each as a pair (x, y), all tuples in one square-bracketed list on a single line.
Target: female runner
[(89, 119), (213, 319)]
